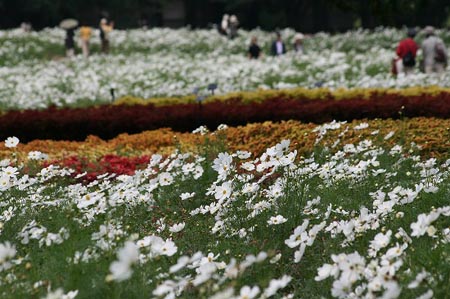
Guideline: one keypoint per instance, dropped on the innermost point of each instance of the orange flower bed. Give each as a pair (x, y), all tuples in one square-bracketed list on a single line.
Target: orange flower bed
[(430, 133)]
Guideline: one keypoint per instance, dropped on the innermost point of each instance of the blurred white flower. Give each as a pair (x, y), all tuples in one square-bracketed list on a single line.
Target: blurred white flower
[(274, 220), (11, 142)]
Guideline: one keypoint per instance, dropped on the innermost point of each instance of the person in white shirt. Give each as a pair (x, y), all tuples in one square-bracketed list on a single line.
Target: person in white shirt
[(278, 47), (434, 52)]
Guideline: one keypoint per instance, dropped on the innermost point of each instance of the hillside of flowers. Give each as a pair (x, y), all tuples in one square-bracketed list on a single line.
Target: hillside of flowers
[(358, 216), (166, 62), (312, 176)]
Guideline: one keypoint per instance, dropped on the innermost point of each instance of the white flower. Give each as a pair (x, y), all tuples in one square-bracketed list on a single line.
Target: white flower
[(361, 126), (35, 155), (248, 293), (222, 164), (127, 255), (389, 135), (299, 253), (181, 263), (223, 191), (222, 127), (167, 248), (88, 200), (165, 179), (420, 227), (5, 182), (7, 252), (427, 295), (59, 294), (202, 130), (274, 220), (177, 227), (10, 171), (277, 284), (298, 236), (380, 241), (275, 259), (187, 195), (326, 271), (11, 142)]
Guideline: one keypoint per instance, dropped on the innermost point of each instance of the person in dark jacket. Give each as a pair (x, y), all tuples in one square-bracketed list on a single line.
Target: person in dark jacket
[(278, 47), (254, 51), (69, 42)]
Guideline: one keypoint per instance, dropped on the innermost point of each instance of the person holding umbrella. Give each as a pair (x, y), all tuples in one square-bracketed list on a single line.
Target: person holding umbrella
[(105, 28), (69, 25)]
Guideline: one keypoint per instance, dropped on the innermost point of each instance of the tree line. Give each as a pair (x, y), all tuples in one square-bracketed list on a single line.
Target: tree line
[(304, 15)]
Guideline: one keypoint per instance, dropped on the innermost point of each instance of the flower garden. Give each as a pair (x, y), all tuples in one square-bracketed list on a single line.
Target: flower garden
[(318, 176)]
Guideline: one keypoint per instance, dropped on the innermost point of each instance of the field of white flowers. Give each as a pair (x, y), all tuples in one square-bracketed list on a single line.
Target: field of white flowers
[(166, 62), (363, 220)]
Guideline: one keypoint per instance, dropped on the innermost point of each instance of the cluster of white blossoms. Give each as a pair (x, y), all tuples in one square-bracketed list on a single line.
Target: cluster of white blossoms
[(235, 225), (147, 63)]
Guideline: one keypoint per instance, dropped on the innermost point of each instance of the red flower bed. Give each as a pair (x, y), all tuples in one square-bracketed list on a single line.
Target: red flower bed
[(107, 164), (109, 121)]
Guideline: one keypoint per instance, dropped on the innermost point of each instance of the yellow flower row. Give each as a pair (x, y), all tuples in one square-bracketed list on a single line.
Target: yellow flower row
[(430, 133), (300, 93)]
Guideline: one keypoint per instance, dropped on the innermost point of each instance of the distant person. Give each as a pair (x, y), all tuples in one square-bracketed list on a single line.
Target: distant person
[(434, 52), (69, 42), (85, 36), (278, 47), (254, 51), (406, 54), (223, 28), (105, 28), (233, 27), (26, 27), (298, 43)]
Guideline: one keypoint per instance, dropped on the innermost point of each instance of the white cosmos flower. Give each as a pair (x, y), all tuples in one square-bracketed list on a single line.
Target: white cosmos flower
[(177, 227), (11, 142), (223, 191), (222, 164), (165, 179), (274, 220), (277, 284), (187, 195), (7, 252), (298, 236), (127, 256), (35, 155), (10, 171), (167, 248), (5, 182), (380, 241), (420, 227), (248, 292)]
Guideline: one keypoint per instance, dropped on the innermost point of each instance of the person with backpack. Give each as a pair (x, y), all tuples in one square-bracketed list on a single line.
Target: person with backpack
[(406, 54), (434, 52)]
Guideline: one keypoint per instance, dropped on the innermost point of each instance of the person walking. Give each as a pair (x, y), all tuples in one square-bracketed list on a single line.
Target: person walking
[(105, 28), (223, 29), (69, 42), (298, 43), (406, 54), (85, 36), (434, 52), (278, 47), (234, 24), (254, 51)]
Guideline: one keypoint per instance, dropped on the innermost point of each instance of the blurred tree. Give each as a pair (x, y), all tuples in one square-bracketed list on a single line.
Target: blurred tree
[(305, 15)]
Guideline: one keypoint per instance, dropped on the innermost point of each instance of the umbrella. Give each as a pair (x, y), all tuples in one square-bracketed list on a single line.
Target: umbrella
[(68, 24)]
